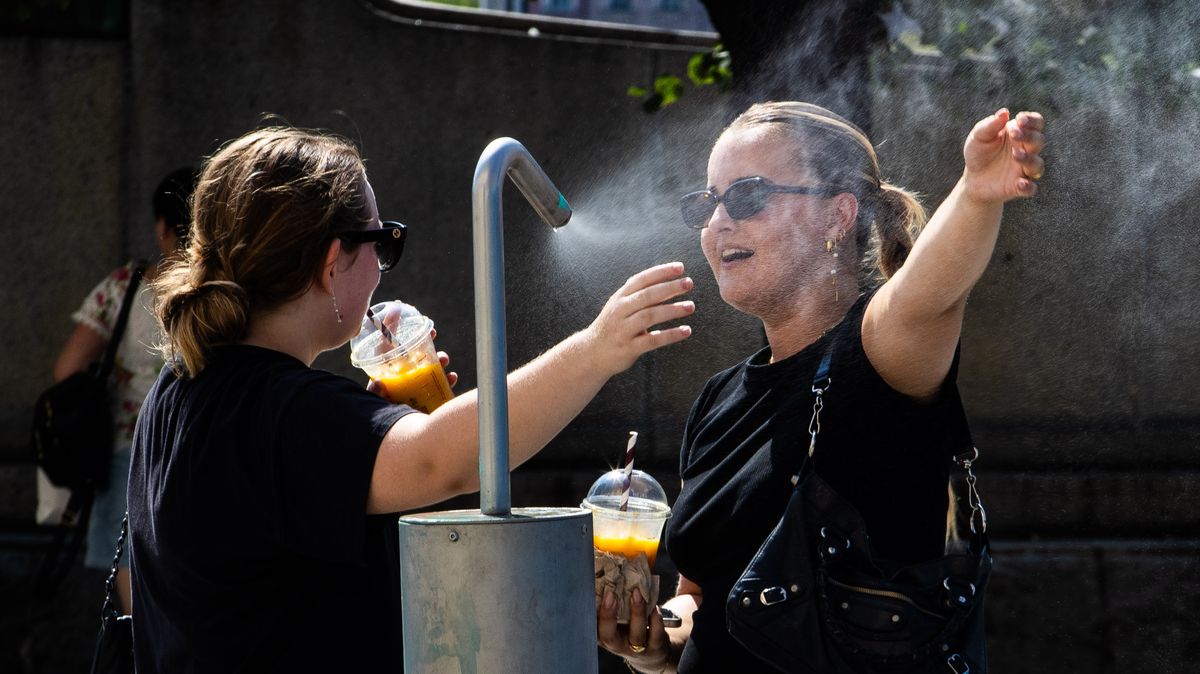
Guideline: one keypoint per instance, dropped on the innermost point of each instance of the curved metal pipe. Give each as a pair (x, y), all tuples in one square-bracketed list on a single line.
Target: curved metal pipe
[(502, 157)]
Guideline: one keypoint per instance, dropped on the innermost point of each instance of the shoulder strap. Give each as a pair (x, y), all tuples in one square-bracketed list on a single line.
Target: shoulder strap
[(110, 354), (110, 585), (64, 547), (966, 521)]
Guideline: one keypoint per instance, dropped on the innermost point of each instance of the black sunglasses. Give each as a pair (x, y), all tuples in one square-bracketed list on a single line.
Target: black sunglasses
[(388, 240), (743, 199)]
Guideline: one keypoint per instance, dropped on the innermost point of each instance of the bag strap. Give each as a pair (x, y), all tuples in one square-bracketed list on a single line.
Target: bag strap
[(961, 537), (64, 547), (821, 383), (110, 353), (110, 585)]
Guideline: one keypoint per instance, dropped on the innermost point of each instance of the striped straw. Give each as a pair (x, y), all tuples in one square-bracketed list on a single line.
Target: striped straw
[(627, 482), (387, 334)]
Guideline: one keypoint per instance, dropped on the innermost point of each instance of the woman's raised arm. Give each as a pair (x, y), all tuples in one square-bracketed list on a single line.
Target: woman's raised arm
[(912, 325)]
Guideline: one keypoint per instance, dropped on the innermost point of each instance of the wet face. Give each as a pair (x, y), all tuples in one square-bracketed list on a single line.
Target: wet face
[(769, 262)]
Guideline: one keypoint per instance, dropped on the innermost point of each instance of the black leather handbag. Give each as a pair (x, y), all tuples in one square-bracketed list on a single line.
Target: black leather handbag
[(72, 420), (114, 643), (816, 600)]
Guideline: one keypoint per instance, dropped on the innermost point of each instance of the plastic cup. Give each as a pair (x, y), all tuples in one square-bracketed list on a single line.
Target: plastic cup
[(401, 357), (635, 530)]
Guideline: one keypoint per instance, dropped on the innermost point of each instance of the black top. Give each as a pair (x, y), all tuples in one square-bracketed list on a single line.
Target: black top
[(251, 550), (747, 435)]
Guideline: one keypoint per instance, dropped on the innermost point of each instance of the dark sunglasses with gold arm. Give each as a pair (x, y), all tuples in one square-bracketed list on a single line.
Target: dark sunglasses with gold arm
[(388, 240), (743, 199)]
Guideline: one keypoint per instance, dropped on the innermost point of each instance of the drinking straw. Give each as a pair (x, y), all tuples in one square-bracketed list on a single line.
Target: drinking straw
[(387, 334), (627, 481)]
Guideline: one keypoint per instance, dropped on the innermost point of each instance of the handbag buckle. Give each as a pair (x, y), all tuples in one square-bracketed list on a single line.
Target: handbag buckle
[(958, 664), (957, 596), (772, 595), (833, 546)]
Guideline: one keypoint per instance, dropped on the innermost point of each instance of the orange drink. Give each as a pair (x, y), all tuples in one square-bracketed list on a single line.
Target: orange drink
[(423, 387), (628, 546), (634, 529), (394, 347)]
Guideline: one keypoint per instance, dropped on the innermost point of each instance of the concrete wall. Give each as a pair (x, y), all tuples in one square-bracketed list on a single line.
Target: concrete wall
[(1078, 357)]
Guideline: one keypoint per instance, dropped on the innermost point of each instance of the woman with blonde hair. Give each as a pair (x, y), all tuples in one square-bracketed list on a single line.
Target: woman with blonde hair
[(262, 492), (801, 231)]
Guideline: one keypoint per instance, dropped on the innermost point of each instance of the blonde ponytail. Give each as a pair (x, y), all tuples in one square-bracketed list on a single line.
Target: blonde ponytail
[(195, 317), (898, 221)]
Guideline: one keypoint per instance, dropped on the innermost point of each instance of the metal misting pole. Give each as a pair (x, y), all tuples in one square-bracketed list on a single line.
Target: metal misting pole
[(499, 589)]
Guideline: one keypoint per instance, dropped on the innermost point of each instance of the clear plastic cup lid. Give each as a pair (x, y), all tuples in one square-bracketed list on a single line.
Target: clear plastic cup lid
[(646, 496), (405, 328)]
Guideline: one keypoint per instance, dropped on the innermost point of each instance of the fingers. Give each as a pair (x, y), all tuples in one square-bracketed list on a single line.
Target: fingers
[(607, 631), (637, 622), (657, 293), (444, 360), (653, 275), (1031, 120), (658, 632), (1028, 139), (375, 387), (659, 338), (661, 313), (988, 129), (1032, 165)]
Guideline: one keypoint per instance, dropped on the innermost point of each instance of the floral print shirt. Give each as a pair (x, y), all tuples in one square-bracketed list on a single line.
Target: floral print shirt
[(137, 364)]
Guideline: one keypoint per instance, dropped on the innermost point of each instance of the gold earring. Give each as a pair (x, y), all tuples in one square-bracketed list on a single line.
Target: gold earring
[(833, 269), (336, 311)]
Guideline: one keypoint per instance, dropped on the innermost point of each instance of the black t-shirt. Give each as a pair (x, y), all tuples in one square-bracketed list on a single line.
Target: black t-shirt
[(748, 434), (251, 550)]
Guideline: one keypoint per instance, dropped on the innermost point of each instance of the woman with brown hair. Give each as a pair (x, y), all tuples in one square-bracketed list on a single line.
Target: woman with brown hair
[(801, 231), (260, 490)]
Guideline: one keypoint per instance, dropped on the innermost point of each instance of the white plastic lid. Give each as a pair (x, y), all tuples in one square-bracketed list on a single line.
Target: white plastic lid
[(646, 496), (406, 328)]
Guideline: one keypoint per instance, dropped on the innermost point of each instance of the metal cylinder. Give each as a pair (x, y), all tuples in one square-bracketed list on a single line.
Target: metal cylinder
[(498, 594)]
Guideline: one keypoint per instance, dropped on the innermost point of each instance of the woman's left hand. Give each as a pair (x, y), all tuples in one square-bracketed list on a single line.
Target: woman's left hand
[(444, 359), (1002, 155), (644, 644)]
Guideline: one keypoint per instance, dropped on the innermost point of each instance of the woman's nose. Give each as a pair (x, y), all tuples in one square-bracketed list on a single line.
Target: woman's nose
[(720, 220)]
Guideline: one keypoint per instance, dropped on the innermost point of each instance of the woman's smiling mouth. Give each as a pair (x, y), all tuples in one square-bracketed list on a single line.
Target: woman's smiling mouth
[(735, 254)]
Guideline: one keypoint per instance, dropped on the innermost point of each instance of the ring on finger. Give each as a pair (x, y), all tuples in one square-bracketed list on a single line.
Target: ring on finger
[(637, 649), (1036, 176)]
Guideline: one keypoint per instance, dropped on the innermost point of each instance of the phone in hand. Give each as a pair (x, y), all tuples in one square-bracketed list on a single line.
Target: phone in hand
[(669, 617)]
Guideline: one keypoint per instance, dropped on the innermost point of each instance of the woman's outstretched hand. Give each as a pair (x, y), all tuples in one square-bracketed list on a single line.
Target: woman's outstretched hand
[(1002, 155), (623, 330)]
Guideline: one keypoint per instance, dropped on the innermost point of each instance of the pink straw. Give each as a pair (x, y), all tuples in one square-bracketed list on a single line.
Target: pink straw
[(627, 482)]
